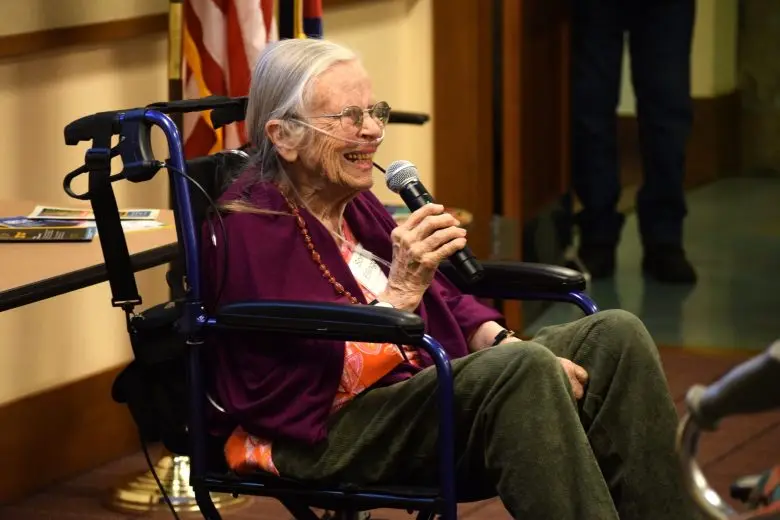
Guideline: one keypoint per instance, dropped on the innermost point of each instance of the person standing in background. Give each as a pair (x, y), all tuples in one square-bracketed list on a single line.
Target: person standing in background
[(660, 34)]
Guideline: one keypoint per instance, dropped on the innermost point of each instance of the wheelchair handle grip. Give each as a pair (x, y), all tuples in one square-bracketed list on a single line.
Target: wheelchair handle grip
[(750, 387), (87, 127)]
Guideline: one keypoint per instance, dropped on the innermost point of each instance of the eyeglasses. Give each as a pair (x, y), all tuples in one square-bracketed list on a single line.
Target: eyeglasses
[(352, 117)]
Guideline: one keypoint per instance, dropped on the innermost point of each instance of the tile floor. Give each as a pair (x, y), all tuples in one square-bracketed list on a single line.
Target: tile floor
[(732, 236)]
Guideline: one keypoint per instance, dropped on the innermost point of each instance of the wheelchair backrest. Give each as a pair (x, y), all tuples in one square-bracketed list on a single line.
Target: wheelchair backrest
[(214, 174)]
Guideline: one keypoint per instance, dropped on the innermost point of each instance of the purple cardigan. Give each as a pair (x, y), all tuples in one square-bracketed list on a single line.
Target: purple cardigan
[(281, 387)]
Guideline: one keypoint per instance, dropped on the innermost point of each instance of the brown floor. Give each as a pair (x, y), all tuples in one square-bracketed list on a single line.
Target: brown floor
[(743, 445)]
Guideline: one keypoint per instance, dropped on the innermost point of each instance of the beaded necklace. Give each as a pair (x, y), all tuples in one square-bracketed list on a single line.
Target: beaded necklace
[(324, 271)]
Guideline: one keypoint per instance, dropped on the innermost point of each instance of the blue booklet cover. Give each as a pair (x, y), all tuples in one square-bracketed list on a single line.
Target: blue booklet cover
[(23, 229)]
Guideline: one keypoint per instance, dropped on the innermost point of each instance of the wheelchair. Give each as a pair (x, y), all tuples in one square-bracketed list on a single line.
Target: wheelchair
[(175, 334), (751, 387)]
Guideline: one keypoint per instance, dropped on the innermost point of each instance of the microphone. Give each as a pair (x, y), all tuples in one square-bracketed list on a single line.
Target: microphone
[(402, 178)]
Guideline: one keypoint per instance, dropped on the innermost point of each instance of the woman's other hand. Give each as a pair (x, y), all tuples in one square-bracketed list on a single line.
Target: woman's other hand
[(577, 375), (420, 244)]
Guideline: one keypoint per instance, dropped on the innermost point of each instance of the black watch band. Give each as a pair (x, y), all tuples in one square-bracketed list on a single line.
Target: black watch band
[(501, 336)]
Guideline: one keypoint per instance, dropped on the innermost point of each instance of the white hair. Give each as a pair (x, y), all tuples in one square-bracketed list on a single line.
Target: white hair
[(281, 88)]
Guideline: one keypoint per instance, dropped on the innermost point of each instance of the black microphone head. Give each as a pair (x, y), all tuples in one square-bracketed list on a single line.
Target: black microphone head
[(399, 174)]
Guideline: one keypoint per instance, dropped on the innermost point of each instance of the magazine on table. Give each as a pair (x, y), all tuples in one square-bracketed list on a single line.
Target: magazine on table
[(25, 229), (22, 229), (57, 213)]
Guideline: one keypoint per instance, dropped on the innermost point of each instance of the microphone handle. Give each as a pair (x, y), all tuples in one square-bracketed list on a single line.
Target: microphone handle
[(416, 196)]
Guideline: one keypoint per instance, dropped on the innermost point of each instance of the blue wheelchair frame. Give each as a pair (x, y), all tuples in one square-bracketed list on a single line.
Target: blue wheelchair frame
[(503, 280)]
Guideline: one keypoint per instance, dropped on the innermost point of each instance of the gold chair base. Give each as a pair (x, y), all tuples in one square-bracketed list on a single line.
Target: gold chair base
[(141, 494)]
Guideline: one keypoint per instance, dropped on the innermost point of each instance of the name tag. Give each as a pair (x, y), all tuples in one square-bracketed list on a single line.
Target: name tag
[(367, 272)]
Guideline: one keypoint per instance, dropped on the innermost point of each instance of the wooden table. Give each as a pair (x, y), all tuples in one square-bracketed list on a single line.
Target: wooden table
[(30, 271)]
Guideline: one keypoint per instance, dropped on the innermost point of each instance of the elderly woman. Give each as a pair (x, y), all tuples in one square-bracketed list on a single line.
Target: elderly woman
[(576, 423)]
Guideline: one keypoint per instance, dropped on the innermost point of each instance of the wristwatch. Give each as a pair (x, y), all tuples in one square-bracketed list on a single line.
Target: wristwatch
[(377, 303), (501, 336)]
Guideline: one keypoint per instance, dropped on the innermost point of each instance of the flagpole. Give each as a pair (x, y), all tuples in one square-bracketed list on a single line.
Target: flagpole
[(286, 13), (175, 84)]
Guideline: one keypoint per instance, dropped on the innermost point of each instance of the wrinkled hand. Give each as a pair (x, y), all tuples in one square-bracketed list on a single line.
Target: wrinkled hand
[(420, 244), (577, 375)]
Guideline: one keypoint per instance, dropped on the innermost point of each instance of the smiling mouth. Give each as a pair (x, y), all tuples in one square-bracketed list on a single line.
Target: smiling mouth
[(355, 157)]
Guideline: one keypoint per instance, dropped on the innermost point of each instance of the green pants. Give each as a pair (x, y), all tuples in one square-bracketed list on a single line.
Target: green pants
[(520, 434)]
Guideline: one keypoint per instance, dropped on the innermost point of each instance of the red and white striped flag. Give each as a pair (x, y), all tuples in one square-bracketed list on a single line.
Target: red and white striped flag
[(221, 41)]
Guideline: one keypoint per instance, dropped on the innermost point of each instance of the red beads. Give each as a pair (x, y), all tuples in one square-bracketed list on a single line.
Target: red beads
[(340, 290)]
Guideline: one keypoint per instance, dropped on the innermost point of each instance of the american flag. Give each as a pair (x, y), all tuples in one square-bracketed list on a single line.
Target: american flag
[(312, 18), (221, 40)]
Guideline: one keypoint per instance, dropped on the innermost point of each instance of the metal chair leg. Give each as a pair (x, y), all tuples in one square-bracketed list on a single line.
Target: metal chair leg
[(205, 504), (299, 511)]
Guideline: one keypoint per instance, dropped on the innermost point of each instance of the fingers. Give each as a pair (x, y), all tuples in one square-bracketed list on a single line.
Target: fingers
[(434, 258), (576, 388), (577, 376), (419, 245), (417, 216), (438, 239), (429, 235), (427, 220), (433, 223), (580, 373)]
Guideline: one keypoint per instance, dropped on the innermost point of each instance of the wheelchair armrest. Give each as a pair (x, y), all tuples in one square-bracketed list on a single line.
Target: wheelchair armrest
[(323, 320), (509, 279)]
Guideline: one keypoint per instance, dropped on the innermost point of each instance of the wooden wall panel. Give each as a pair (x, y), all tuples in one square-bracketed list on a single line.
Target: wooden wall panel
[(501, 112), (463, 136), (61, 432)]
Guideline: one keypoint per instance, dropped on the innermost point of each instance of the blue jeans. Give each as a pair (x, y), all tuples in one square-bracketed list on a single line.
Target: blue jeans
[(659, 35)]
